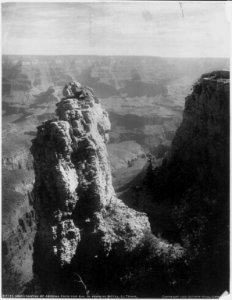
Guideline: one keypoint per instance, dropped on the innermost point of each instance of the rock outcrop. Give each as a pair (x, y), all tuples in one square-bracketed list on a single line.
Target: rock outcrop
[(193, 181), (200, 148), (79, 215), (202, 140)]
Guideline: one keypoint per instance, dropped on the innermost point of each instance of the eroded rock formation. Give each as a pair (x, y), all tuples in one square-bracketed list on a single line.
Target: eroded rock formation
[(193, 181), (78, 212), (202, 140)]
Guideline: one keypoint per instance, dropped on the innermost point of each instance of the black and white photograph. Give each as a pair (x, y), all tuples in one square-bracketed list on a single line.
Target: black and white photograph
[(115, 156)]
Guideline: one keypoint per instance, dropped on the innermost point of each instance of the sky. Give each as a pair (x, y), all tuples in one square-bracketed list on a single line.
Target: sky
[(197, 29)]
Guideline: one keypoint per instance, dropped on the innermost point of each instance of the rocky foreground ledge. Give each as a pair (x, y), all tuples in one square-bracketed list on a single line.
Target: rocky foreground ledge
[(77, 210)]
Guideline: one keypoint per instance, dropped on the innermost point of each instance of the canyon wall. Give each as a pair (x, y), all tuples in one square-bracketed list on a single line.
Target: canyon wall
[(193, 182), (202, 140), (18, 225)]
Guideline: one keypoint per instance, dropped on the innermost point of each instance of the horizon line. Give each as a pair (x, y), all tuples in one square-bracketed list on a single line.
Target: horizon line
[(118, 55)]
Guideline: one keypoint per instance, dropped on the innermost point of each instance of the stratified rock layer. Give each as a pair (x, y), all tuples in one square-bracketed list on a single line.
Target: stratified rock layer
[(75, 200)]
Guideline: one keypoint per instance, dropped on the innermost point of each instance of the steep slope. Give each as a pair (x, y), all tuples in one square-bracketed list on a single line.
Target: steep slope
[(202, 140), (18, 230), (194, 181), (79, 216)]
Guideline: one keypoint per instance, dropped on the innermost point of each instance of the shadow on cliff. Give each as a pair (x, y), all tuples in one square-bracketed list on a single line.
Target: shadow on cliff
[(194, 181)]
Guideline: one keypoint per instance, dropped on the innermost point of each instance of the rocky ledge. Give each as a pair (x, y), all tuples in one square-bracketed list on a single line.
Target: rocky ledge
[(78, 213)]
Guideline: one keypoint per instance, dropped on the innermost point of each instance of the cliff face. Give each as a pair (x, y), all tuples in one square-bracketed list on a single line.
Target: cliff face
[(18, 231), (78, 212), (193, 181), (202, 140), (200, 148)]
